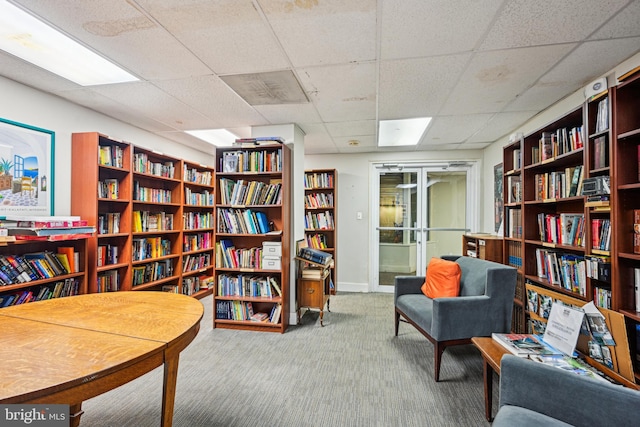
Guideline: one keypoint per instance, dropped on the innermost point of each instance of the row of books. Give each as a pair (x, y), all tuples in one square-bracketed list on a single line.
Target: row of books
[(243, 285), (267, 160), (197, 220), (319, 221), (196, 176), (109, 189), (514, 223), (565, 228), (144, 221), (600, 152), (514, 184), (149, 194), (68, 287), (195, 242), (316, 241), (193, 284), (314, 255), (636, 220), (318, 200), (318, 180), (108, 223), (559, 184), (142, 164), (601, 234), (151, 272), (33, 266), (107, 255), (244, 192), (111, 155), (561, 141), (196, 262), (194, 198), (602, 115), (150, 247), (227, 256), (242, 221), (598, 267), (563, 269), (602, 297), (243, 310), (108, 281), (514, 254)]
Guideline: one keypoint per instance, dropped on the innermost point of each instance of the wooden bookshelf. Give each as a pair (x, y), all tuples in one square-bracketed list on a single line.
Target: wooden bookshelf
[(141, 228), (252, 237), (18, 291), (321, 214)]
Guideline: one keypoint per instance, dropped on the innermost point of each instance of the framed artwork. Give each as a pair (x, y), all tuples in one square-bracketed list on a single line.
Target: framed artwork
[(26, 170), (498, 201)]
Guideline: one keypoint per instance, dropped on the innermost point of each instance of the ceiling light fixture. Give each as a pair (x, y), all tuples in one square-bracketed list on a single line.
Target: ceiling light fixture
[(396, 133), (217, 137), (28, 38)]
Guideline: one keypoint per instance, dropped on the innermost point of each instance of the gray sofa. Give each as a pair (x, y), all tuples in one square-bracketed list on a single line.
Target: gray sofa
[(484, 306), (534, 394)]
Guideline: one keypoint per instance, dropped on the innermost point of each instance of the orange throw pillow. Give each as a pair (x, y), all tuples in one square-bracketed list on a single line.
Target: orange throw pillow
[(443, 279)]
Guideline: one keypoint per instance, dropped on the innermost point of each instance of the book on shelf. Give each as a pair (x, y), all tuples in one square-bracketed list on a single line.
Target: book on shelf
[(636, 284), (49, 231), (315, 255), (524, 345)]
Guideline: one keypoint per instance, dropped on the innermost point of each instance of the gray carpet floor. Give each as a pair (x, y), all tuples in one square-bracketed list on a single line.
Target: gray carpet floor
[(351, 372)]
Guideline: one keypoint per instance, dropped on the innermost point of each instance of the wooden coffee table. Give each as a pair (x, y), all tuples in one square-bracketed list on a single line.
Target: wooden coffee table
[(492, 353), (68, 350)]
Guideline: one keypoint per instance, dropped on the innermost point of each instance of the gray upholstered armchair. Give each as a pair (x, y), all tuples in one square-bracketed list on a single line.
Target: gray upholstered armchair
[(534, 394), (484, 306)]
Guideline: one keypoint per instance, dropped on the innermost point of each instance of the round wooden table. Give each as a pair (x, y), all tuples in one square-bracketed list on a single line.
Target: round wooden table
[(68, 350)]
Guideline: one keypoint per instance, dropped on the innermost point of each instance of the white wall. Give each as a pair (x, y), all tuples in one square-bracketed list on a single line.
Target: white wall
[(26, 105), (493, 153), (353, 195)]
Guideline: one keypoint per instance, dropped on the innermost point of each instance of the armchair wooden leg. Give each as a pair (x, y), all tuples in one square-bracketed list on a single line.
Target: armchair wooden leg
[(397, 321), (437, 358)]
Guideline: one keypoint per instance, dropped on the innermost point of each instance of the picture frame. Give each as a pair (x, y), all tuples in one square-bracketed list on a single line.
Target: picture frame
[(498, 198), (26, 170)]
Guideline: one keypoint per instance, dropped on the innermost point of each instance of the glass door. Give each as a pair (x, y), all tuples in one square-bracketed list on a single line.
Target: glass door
[(422, 213)]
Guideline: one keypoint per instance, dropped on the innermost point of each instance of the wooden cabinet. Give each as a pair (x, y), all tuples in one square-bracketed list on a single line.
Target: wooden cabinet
[(252, 235), (15, 290), (482, 246), (321, 213), (137, 199), (313, 293)]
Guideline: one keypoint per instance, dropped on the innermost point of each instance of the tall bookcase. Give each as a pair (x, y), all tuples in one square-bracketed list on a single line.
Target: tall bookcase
[(136, 198), (593, 241), (625, 202), (321, 214), (252, 213)]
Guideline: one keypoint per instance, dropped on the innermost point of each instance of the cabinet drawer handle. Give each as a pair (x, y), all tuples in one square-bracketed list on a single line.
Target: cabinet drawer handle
[(310, 290)]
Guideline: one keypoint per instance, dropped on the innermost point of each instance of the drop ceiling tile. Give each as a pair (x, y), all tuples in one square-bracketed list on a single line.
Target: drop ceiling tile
[(23, 72), (454, 129), (365, 141), (191, 141), (417, 87), (412, 28), (499, 125), (291, 113), (230, 36), (625, 24), (473, 145), (154, 103), (352, 128), (324, 32), (543, 22), (88, 98), (221, 105), (342, 92), (494, 79), (122, 32)]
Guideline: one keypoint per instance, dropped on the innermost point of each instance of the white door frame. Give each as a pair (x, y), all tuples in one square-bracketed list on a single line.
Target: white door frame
[(472, 212)]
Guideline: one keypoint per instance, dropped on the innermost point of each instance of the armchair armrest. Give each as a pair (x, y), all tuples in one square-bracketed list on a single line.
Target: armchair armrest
[(566, 396), (465, 317), (405, 285)]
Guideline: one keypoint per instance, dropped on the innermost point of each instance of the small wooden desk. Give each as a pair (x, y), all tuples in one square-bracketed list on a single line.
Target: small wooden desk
[(492, 353), (68, 350)]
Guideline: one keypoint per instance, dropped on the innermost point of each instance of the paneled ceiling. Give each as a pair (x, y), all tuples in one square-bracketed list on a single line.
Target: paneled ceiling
[(479, 68)]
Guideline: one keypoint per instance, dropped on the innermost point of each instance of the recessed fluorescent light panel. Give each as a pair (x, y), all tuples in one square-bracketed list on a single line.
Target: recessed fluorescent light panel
[(396, 133), (217, 137), (30, 39)]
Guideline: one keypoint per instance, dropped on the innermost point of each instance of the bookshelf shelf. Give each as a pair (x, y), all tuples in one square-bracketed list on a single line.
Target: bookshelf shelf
[(252, 217)]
